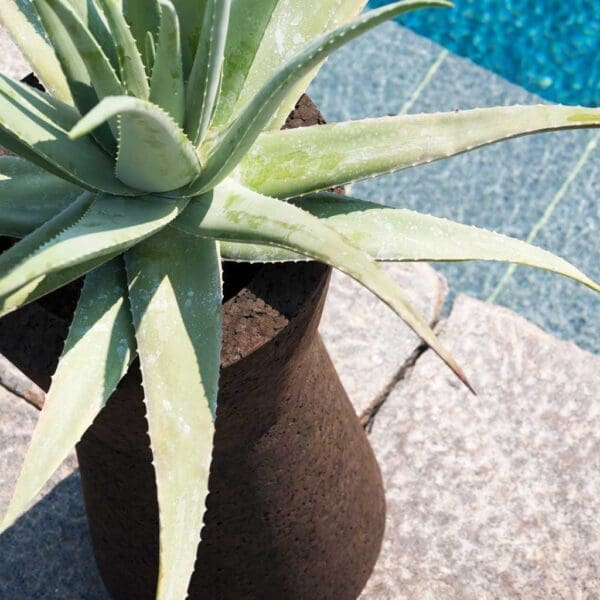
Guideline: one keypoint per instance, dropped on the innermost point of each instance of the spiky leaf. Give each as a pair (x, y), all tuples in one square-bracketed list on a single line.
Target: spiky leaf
[(205, 78), (297, 161), (231, 147), (133, 71), (154, 154), (167, 85), (248, 25), (289, 26), (191, 17), (101, 329), (232, 212), (96, 22), (175, 291), (30, 196), (143, 17), (390, 234), (23, 24), (89, 73), (39, 123), (111, 224)]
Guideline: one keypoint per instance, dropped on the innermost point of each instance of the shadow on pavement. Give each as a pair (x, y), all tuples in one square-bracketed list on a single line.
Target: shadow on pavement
[(47, 554)]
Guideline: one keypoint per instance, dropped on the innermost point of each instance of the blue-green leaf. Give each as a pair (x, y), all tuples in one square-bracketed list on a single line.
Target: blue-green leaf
[(234, 213), (154, 154), (133, 71), (272, 33), (205, 79), (191, 17), (89, 73), (297, 161), (96, 22), (167, 85), (97, 353), (390, 234), (237, 139), (30, 196), (248, 24), (143, 17), (175, 292), (22, 22), (110, 225), (39, 123)]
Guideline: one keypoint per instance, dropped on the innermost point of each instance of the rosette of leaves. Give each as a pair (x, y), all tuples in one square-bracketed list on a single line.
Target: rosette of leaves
[(157, 154)]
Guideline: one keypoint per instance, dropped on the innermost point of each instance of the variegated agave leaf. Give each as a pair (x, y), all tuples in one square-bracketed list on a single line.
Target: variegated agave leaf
[(154, 155)]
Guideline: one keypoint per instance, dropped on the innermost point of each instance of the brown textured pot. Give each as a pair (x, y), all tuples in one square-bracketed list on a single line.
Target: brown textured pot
[(296, 506)]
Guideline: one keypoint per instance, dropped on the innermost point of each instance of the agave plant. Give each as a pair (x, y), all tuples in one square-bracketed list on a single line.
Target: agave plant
[(157, 154)]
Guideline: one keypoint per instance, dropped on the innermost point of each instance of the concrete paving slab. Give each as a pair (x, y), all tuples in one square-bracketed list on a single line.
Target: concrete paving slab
[(495, 495)]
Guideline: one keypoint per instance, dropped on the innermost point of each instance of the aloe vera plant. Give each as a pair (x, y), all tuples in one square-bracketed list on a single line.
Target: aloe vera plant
[(157, 154)]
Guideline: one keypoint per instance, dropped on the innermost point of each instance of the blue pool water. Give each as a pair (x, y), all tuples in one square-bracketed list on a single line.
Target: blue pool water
[(550, 47)]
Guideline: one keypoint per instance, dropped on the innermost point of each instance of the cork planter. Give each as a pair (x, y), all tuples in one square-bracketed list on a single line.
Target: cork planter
[(296, 506)]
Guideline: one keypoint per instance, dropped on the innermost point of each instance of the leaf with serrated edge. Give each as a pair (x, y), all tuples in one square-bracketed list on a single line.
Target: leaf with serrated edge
[(89, 72), (96, 22), (237, 139), (21, 21), (75, 71), (101, 329), (292, 24), (46, 232), (205, 78), (111, 224), (133, 71), (167, 85), (234, 213), (30, 196), (150, 51), (154, 154), (400, 235), (247, 27), (143, 17), (293, 162), (102, 75), (175, 293), (40, 122), (191, 17), (11, 143)]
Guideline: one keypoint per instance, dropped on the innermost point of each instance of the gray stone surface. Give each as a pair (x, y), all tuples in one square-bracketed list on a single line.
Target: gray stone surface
[(368, 343), (17, 421), (506, 187), (47, 553), (11, 60), (494, 496)]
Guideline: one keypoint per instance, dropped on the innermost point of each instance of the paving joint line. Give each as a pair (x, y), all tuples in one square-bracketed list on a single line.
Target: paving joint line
[(583, 159), (367, 419), (433, 69)]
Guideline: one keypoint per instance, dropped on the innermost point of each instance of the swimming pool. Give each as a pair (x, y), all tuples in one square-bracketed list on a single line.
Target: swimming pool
[(549, 47)]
